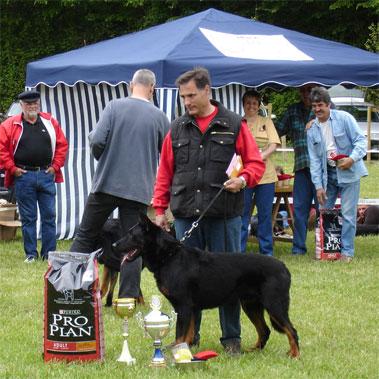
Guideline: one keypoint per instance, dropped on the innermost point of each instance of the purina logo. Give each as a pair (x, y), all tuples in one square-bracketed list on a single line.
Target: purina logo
[(68, 295), (334, 227)]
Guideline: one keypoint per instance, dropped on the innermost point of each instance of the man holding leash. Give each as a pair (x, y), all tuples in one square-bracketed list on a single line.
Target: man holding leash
[(33, 149), (126, 142), (336, 147), (195, 156)]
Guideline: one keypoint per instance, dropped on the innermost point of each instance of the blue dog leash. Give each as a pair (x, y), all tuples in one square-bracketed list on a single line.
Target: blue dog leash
[(195, 224)]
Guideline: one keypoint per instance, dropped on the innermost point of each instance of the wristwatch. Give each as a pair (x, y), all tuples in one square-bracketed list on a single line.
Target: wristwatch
[(243, 180)]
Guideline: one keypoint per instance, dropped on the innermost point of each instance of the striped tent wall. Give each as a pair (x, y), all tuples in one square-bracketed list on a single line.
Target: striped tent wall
[(78, 108)]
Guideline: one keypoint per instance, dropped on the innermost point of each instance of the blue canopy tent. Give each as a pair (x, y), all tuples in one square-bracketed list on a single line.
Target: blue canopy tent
[(238, 52), (234, 49)]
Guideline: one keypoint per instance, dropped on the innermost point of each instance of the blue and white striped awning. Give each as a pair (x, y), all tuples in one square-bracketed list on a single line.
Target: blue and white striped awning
[(78, 108)]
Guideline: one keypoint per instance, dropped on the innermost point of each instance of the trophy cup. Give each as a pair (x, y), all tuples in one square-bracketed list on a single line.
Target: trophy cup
[(157, 325), (124, 308)]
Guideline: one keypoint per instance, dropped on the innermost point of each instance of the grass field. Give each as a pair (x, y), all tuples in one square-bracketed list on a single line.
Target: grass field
[(334, 306)]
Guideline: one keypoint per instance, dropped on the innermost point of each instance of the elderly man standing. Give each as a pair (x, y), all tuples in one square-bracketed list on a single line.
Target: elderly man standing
[(33, 149), (195, 156), (126, 142), (336, 134), (293, 124)]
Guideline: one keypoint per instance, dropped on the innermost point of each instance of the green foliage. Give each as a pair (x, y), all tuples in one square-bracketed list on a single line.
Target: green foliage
[(372, 44)]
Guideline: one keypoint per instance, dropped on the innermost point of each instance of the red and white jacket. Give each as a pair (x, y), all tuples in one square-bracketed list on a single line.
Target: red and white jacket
[(10, 134)]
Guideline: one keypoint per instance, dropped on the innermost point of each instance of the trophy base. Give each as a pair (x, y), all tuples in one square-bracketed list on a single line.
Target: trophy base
[(158, 364), (130, 362), (125, 356), (158, 359)]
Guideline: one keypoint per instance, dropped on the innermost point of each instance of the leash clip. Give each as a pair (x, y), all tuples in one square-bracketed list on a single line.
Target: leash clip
[(187, 233)]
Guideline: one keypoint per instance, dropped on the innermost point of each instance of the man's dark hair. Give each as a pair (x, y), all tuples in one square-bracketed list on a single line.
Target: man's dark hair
[(199, 75), (320, 94), (251, 93)]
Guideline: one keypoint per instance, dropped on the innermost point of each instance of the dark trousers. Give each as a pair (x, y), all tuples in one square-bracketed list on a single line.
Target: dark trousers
[(98, 208), (303, 193)]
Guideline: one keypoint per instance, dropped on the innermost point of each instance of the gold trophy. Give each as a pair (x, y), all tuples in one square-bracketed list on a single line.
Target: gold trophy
[(125, 308)]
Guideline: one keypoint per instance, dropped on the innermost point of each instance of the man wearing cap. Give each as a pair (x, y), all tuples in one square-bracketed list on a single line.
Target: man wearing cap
[(33, 149)]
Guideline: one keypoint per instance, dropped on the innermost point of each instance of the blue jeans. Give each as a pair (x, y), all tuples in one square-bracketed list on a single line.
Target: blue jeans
[(349, 200), (37, 188), (264, 196), (303, 193), (210, 236)]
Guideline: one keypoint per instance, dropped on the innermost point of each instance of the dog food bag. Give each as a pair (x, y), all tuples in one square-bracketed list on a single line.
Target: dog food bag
[(328, 234), (73, 326)]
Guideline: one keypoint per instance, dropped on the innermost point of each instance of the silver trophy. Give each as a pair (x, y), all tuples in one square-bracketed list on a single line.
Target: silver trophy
[(157, 325), (125, 308)]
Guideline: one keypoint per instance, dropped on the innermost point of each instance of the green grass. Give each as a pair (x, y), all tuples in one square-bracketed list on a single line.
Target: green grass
[(334, 307)]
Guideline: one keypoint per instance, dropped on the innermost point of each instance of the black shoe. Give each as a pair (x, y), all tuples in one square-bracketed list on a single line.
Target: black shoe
[(232, 348)]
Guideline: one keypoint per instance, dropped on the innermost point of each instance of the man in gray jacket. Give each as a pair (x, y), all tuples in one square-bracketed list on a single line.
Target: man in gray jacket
[(126, 142)]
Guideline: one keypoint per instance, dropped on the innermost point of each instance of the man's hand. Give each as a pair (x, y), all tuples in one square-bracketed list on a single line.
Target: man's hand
[(50, 170), (161, 221), (19, 171), (234, 185), (345, 163), (309, 124), (321, 196)]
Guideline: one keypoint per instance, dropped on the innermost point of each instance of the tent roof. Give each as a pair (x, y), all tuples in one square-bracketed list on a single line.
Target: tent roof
[(234, 49)]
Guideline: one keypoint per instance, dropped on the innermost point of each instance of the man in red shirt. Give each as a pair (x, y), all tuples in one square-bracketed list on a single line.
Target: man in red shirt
[(33, 150), (194, 159)]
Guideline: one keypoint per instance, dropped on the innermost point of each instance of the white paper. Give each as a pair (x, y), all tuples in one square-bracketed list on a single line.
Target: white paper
[(250, 46)]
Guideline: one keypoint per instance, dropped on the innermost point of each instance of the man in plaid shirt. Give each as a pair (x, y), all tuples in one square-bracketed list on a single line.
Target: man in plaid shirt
[(293, 124)]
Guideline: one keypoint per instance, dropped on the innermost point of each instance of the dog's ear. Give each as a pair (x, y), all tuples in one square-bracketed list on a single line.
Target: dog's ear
[(146, 222), (143, 219)]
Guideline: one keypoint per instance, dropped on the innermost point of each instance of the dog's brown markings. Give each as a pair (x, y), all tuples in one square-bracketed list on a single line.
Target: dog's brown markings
[(294, 351), (294, 348), (188, 337)]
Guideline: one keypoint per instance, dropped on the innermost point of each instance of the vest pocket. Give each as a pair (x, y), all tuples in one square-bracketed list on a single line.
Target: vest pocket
[(222, 148), (181, 150), (177, 197)]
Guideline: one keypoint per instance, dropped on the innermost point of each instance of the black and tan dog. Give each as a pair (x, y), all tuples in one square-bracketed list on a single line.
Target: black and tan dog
[(110, 233), (192, 280)]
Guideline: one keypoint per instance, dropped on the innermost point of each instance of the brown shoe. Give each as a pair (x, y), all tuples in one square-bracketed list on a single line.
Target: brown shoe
[(346, 258)]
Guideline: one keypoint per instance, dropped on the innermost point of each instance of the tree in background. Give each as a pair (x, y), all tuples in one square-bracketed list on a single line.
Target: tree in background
[(33, 29)]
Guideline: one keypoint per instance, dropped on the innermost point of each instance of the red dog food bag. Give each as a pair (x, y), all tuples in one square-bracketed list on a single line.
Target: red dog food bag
[(328, 234), (73, 326)]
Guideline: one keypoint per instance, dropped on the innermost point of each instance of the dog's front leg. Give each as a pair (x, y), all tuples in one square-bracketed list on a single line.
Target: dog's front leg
[(185, 325)]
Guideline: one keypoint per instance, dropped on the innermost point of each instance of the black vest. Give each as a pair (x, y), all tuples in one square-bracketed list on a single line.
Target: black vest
[(200, 164)]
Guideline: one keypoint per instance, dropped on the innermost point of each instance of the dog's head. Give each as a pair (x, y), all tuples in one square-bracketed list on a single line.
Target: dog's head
[(144, 239)]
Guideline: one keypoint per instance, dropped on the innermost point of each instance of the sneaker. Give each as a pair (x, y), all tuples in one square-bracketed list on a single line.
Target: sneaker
[(30, 260), (346, 258), (233, 348)]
